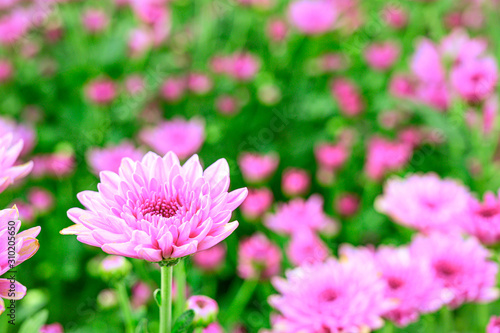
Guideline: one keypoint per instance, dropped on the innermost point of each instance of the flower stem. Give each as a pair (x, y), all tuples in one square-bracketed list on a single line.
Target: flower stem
[(180, 284), (241, 299), (446, 320), (125, 306), (166, 299), (388, 328)]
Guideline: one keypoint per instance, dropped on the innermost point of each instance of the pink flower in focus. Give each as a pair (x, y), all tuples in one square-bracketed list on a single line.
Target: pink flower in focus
[(101, 91), (52, 328), (199, 83), (386, 156), (493, 325), (410, 282), (212, 259), (295, 182), (183, 137), (331, 156), (110, 158), (299, 215), (6, 70), (475, 80), (424, 202), (173, 89), (26, 245), (382, 56), (460, 265), (257, 203), (257, 167), (330, 297), (227, 105), (347, 96), (9, 153), (95, 20), (141, 294), (277, 30), (157, 210), (312, 17), (258, 258), (41, 199), (347, 205), (482, 219), (306, 247)]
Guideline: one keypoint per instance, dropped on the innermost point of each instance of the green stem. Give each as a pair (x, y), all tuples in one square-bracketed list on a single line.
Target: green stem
[(166, 299), (388, 328), (199, 330), (241, 299), (446, 320), (180, 284), (125, 306)]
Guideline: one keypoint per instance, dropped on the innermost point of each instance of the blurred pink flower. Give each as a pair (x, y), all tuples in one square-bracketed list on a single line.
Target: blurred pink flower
[(475, 80), (6, 70), (382, 56), (493, 325), (134, 84), (410, 282), (347, 204), (19, 131), (331, 156), (257, 167), (14, 25), (426, 63), (173, 89), (384, 156), (157, 210), (490, 113), (459, 265), (258, 258), (243, 66), (433, 94), (459, 47), (58, 164), (141, 294), (183, 137), (295, 182), (41, 199), (26, 211), (227, 105), (212, 259), (139, 42), (199, 83), (95, 20), (205, 310), (213, 328), (277, 30), (424, 202), (257, 203), (299, 215), (330, 297), (9, 153), (482, 219), (101, 91), (312, 17), (52, 328), (412, 136), (306, 247), (110, 158), (347, 96), (25, 246), (402, 86), (395, 16)]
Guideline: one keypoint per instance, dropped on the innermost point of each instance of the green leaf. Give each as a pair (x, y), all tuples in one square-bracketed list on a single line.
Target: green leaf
[(183, 322), (35, 323), (157, 296)]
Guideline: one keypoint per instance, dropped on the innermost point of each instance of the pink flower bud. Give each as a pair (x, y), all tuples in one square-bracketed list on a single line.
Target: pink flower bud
[(227, 105), (101, 91), (382, 56), (199, 83), (347, 96), (95, 20), (41, 199), (277, 30), (295, 182), (258, 167), (205, 310), (173, 89), (347, 204), (141, 294), (331, 156), (395, 17)]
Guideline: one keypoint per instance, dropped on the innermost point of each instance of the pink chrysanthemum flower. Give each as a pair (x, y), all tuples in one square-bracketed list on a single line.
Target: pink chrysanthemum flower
[(9, 152), (157, 210), (330, 297), (410, 282), (110, 158), (459, 265), (483, 219), (183, 137), (298, 215), (424, 202), (25, 245)]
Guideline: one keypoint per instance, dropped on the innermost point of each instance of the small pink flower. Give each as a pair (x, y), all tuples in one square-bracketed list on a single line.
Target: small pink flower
[(157, 210), (386, 156), (6, 70), (295, 182), (493, 325), (199, 83), (101, 91), (426, 63), (19, 131), (173, 89), (257, 203), (331, 156), (312, 17), (139, 42), (212, 259), (277, 30), (205, 310), (299, 215), (15, 25), (58, 164), (26, 245), (134, 84), (183, 137), (9, 153), (305, 248), (402, 86), (243, 66), (475, 80), (258, 258), (227, 105), (213, 328), (482, 219), (95, 20), (257, 167), (111, 157), (459, 265), (411, 135), (347, 96), (347, 205), (52, 328), (41, 199), (141, 294), (424, 202), (395, 16), (382, 56)]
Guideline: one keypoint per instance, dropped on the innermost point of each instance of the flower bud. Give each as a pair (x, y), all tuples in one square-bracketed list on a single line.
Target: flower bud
[(114, 268), (205, 310)]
